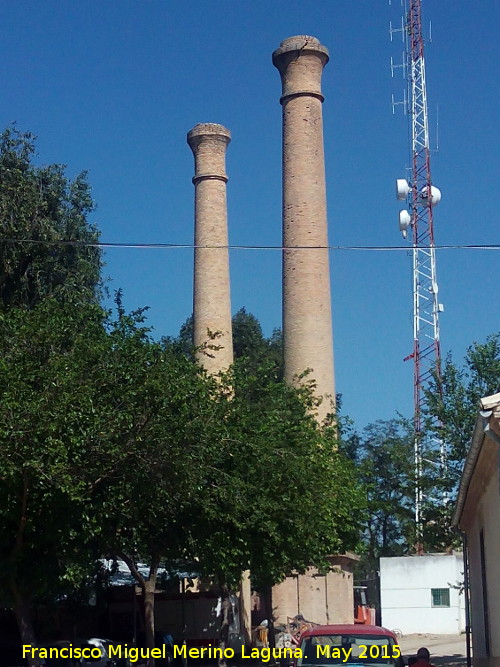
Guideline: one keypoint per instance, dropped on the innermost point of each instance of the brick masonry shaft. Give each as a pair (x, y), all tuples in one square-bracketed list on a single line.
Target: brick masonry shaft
[(211, 297), (307, 317)]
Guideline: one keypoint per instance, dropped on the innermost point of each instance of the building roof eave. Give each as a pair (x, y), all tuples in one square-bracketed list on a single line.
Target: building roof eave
[(489, 411), (478, 435)]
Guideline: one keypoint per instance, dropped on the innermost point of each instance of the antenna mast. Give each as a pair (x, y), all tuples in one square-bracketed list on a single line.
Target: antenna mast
[(422, 196)]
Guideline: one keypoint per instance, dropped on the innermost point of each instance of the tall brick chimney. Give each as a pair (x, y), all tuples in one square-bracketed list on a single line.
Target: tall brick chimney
[(307, 317), (211, 300)]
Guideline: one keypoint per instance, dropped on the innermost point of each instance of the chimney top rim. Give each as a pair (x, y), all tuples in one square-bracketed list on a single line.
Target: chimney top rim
[(306, 43), (209, 129)]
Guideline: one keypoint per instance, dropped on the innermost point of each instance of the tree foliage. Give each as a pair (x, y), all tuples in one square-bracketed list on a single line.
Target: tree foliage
[(454, 407), (102, 432), (383, 454), (112, 443), (249, 342), (39, 208), (281, 498), (453, 402), (45, 415)]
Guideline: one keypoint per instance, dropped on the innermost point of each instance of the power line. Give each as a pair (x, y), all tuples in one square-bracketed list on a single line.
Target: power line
[(166, 246)]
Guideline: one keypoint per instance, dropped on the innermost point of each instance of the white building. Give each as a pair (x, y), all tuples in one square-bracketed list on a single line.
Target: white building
[(421, 593), (477, 514)]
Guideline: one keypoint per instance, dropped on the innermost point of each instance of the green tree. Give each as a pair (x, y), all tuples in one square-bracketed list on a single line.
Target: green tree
[(243, 478), (102, 432), (385, 461), (43, 249), (46, 354), (113, 443), (453, 401), (453, 404), (148, 509), (249, 341), (280, 498)]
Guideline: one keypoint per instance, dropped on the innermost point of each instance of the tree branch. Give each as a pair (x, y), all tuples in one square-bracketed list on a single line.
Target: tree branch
[(133, 568)]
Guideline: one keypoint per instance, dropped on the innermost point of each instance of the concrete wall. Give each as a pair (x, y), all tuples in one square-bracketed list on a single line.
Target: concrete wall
[(325, 599), (406, 599)]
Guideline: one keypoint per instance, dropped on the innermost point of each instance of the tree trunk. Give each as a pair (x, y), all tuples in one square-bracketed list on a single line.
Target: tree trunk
[(226, 618), (148, 587), (149, 617), (384, 533), (22, 611), (268, 604)]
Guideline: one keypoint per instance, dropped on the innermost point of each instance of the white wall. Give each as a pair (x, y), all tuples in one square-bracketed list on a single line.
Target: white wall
[(405, 591), (487, 517)]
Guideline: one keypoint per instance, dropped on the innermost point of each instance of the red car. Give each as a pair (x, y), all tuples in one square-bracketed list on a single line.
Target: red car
[(361, 645)]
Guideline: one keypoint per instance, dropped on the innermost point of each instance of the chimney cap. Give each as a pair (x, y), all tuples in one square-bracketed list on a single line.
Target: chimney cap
[(303, 43), (209, 129)]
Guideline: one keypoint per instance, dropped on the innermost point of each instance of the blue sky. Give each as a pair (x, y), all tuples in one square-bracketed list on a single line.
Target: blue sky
[(114, 86)]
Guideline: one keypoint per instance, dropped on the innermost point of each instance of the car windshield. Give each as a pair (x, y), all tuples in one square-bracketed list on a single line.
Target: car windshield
[(372, 650)]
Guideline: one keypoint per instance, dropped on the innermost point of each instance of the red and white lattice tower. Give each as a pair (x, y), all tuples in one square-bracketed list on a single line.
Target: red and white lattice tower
[(418, 223)]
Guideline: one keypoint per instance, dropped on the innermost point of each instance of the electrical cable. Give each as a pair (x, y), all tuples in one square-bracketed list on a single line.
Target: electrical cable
[(152, 246)]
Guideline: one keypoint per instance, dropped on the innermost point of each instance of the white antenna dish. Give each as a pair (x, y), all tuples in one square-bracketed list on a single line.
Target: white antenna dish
[(435, 197), (404, 221), (402, 189)]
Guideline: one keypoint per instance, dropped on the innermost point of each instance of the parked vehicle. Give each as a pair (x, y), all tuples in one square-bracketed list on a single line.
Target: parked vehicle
[(361, 645), (163, 641), (106, 659), (363, 613)]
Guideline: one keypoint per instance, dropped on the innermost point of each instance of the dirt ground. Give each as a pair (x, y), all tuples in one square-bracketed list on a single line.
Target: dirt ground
[(446, 650)]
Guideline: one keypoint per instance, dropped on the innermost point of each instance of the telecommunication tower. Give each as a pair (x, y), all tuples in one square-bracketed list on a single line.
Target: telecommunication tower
[(417, 222)]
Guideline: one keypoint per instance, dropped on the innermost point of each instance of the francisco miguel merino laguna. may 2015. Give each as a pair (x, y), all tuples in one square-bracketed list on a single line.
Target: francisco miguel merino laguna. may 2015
[(133, 653)]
